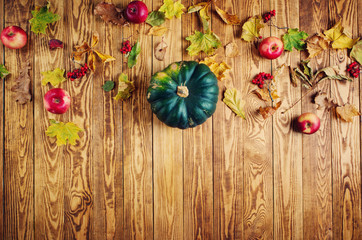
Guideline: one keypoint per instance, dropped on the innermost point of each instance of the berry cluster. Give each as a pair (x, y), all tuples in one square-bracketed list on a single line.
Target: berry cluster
[(260, 78), (126, 47), (353, 69), (267, 16), (78, 73)]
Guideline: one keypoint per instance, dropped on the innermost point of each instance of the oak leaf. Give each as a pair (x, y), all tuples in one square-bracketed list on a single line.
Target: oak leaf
[(171, 8), (340, 38), (347, 112), (125, 88), (22, 85), (54, 77), (220, 70), (232, 98), (356, 52), (64, 132), (251, 28), (269, 111), (203, 42), (228, 18), (110, 13)]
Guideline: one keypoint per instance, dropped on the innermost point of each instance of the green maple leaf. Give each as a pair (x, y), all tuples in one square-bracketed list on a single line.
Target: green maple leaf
[(64, 132), (251, 28), (205, 42), (356, 52), (3, 71), (156, 18), (41, 18), (133, 55), (54, 77), (232, 98), (294, 39), (125, 88), (171, 8)]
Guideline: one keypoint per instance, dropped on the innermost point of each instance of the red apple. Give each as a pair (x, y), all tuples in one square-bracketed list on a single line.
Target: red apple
[(57, 101), (13, 37), (308, 123), (271, 47), (136, 12)]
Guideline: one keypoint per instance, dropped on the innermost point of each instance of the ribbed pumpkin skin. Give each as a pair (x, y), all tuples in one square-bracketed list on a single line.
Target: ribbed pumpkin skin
[(181, 112)]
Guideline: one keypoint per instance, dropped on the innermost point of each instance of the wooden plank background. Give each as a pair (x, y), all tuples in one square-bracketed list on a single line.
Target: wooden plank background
[(132, 177)]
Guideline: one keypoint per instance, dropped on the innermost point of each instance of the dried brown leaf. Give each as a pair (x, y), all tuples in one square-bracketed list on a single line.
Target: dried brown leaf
[(110, 13), (160, 50), (80, 50), (231, 50), (22, 85), (157, 31), (269, 111), (316, 45), (347, 112), (322, 100), (228, 18)]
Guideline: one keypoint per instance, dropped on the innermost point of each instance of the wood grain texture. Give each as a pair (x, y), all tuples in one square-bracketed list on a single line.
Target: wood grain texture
[(137, 140), (107, 170), (198, 160), (317, 171), (345, 137), (228, 155), (18, 146), (78, 202), (2, 92), (287, 143), (48, 157), (168, 152), (258, 148)]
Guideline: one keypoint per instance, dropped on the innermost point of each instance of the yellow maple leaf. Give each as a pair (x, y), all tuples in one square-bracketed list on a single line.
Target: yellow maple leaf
[(340, 38), (54, 77), (221, 70), (171, 8), (157, 31), (252, 28)]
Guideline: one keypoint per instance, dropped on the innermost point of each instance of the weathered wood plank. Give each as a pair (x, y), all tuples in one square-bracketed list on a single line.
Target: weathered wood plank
[(2, 61), (287, 143), (258, 153), (317, 172), (48, 157), (228, 134), (198, 165), (168, 152), (78, 202), (107, 138), (18, 152), (137, 140), (346, 153)]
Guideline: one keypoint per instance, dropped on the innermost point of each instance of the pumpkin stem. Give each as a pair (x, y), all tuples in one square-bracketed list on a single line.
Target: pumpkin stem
[(182, 91)]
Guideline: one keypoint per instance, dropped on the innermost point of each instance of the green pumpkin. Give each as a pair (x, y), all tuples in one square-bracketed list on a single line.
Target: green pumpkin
[(184, 94)]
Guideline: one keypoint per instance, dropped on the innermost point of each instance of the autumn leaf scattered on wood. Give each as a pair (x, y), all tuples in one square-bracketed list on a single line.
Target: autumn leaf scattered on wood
[(108, 86), (125, 88), (232, 98), (203, 10), (316, 45), (294, 39), (251, 28), (228, 18), (322, 101), (156, 18), (347, 112), (231, 50), (133, 55), (42, 16), (356, 52), (157, 31), (110, 13), (85, 48), (220, 70), (269, 111), (64, 132), (171, 8), (22, 85), (54, 77), (203, 42), (55, 43), (340, 38), (3, 71), (160, 50)]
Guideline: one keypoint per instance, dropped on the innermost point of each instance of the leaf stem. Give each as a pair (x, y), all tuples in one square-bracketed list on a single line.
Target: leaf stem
[(271, 24), (271, 98), (295, 103)]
